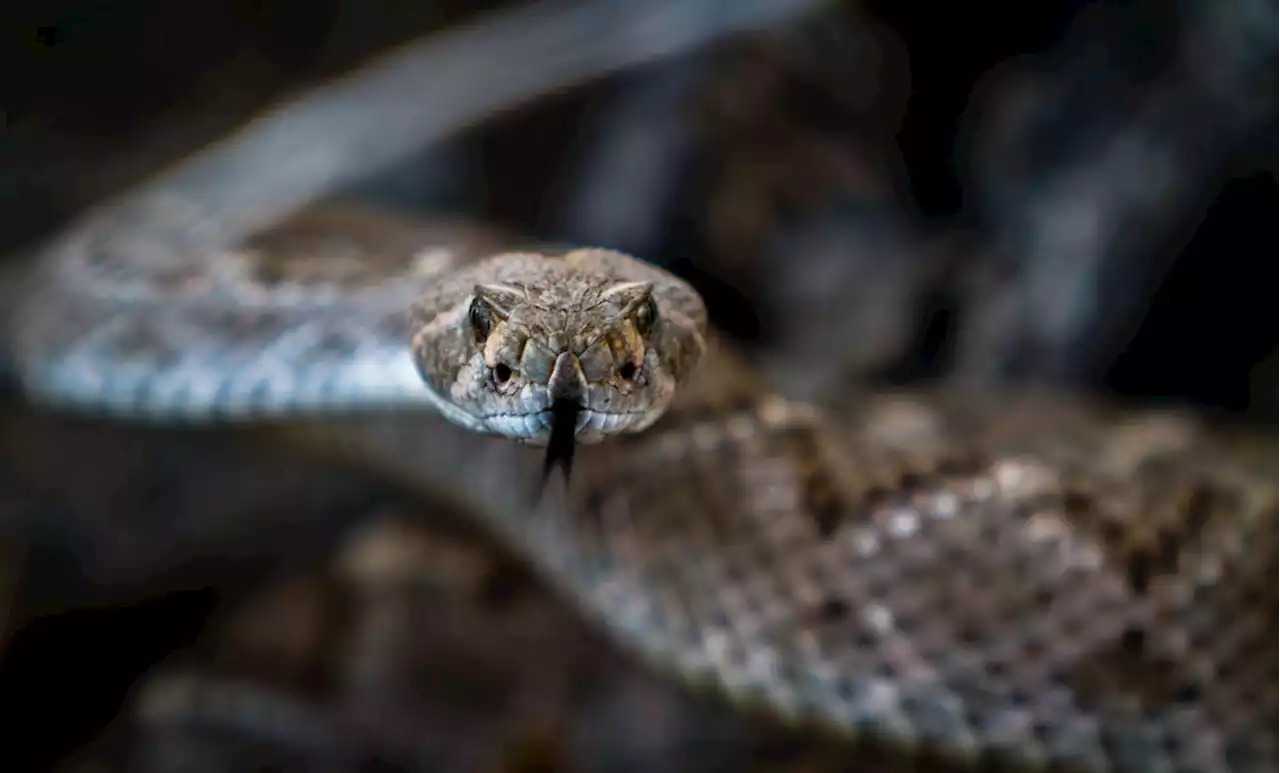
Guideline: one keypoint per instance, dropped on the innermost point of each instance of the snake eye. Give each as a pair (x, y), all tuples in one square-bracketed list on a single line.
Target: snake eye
[(481, 316), (628, 370), (646, 315), (501, 373)]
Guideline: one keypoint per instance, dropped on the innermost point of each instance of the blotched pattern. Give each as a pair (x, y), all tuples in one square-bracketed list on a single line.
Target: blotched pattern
[(1025, 580), (1021, 580)]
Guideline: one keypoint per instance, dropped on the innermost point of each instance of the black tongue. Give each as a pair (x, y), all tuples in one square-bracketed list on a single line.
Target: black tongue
[(564, 418)]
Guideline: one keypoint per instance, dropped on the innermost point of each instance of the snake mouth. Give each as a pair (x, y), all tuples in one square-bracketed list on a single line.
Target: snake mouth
[(589, 425)]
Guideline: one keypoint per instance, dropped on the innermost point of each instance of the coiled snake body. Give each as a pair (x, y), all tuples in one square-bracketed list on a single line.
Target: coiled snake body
[(1014, 579)]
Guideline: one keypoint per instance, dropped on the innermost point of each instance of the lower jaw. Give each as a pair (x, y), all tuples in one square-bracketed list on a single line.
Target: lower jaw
[(592, 426)]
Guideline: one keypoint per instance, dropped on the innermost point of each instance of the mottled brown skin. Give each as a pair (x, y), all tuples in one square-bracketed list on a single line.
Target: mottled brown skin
[(989, 578), (999, 580)]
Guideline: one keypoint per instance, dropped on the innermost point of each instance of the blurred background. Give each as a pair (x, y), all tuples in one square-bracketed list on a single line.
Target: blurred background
[(873, 194)]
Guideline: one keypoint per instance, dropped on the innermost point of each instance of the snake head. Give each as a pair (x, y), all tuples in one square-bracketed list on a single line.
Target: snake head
[(508, 344)]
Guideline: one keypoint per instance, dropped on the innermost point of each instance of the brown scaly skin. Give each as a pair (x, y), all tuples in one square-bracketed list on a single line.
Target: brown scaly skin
[(1012, 579), (1078, 584)]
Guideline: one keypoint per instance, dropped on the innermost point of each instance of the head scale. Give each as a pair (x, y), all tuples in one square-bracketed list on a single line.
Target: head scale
[(514, 336)]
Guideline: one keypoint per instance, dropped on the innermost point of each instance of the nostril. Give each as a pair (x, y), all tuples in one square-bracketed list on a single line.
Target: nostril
[(628, 371), (502, 373)]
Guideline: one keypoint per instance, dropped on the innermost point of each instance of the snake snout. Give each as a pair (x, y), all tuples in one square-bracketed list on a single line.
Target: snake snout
[(568, 384)]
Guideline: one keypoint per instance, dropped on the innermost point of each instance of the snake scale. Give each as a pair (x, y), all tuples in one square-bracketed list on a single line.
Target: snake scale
[(1014, 578), (1020, 580)]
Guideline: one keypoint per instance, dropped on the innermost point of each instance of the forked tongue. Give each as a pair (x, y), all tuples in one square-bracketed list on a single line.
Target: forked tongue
[(564, 419)]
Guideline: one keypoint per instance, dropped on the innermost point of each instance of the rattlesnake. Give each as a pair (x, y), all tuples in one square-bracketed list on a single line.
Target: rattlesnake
[(1022, 579), (1016, 579)]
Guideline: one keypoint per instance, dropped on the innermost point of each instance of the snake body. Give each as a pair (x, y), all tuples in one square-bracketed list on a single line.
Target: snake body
[(1027, 580)]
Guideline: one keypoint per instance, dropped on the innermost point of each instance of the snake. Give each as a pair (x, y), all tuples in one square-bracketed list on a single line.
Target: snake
[(1025, 578), (1016, 578)]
